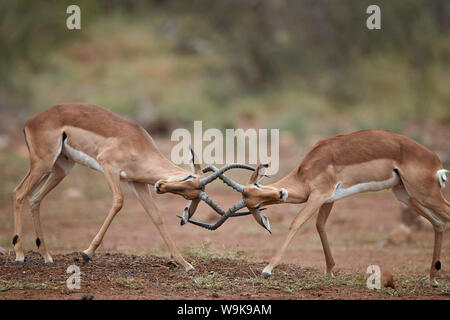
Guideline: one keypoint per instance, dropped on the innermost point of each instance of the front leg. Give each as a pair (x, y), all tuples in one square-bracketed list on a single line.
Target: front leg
[(312, 206), (112, 176), (142, 192)]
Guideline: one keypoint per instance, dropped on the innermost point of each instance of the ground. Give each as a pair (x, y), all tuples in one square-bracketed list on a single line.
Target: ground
[(133, 262)]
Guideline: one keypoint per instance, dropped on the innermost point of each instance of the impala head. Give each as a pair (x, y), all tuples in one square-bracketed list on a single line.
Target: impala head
[(186, 184), (191, 185), (256, 196)]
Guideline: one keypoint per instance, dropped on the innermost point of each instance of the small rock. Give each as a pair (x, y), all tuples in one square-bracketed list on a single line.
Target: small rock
[(387, 279), (87, 296)]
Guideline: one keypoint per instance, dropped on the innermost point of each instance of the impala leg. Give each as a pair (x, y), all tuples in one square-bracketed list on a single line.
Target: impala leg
[(145, 198), (431, 213), (57, 175), (36, 174), (311, 207), (113, 178), (324, 212)]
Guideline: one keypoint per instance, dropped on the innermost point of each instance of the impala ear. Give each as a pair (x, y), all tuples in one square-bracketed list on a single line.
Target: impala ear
[(261, 219), (195, 166), (259, 173)]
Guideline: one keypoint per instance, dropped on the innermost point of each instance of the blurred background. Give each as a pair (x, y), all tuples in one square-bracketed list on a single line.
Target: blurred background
[(310, 68)]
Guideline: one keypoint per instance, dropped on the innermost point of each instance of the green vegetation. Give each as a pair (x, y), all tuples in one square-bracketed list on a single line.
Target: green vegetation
[(303, 66), (8, 285), (131, 283)]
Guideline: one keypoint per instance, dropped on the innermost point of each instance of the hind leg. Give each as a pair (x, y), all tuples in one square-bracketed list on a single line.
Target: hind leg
[(42, 160), (427, 200), (431, 213), (38, 173), (61, 168)]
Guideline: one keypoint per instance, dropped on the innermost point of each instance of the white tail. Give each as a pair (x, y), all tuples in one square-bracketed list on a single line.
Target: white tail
[(442, 177)]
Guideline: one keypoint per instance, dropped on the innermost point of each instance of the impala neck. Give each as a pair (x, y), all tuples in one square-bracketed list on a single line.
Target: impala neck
[(298, 191), (160, 168)]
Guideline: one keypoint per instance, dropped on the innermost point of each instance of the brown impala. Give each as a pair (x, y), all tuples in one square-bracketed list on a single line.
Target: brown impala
[(345, 165), (66, 134)]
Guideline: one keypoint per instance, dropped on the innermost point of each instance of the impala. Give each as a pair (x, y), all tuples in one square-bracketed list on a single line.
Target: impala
[(66, 134), (345, 165)]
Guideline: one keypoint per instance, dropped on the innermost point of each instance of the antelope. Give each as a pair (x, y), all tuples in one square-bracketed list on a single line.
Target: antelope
[(345, 165), (122, 150)]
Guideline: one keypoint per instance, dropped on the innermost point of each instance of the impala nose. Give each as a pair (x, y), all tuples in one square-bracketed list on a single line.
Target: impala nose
[(158, 187)]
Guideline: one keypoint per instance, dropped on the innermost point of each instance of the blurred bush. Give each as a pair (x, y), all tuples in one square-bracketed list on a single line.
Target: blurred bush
[(303, 66)]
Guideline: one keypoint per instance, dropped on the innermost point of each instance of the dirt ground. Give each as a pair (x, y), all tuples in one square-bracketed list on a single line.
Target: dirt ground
[(133, 262)]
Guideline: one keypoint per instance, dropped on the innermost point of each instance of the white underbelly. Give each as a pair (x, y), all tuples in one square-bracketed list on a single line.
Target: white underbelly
[(81, 158), (340, 192)]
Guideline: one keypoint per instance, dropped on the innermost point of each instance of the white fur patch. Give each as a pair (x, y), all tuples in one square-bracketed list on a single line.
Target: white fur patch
[(284, 194), (442, 177), (340, 192), (82, 158)]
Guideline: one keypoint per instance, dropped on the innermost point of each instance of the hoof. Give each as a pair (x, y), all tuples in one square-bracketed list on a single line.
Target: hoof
[(265, 275), (85, 257), (18, 263), (190, 270), (434, 283)]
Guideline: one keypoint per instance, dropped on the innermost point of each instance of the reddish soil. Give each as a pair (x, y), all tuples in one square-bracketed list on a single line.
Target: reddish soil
[(133, 263), (358, 230), (119, 276)]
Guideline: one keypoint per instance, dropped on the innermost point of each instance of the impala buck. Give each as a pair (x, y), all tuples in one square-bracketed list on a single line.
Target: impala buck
[(66, 134), (345, 165)]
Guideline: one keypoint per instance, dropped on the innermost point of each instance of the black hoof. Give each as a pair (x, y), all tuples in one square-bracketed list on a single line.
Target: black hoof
[(87, 296), (191, 271), (265, 275), (85, 257), (18, 263)]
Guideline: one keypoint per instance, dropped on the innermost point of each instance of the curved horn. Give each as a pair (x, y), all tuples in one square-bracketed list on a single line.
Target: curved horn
[(223, 218), (216, 174), (236, 186), (203, 196)]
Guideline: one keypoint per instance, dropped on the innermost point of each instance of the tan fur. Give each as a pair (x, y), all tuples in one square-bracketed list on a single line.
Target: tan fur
[(361, 157), (120, 148)]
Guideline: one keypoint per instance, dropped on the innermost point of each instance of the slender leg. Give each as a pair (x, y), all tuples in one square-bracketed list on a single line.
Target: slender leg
[(57, 175), (112, 176), (311, 207), (143, 194), (37, 173), (439, 227), (324, 212)]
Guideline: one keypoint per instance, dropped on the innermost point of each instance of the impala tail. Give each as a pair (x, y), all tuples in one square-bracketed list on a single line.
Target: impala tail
[(442, 177)]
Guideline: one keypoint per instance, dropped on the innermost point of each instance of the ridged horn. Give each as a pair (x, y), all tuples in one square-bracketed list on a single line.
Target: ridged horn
[(216, 174)]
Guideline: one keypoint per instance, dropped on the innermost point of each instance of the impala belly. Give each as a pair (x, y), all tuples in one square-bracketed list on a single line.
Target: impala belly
[(361, 178), (80, 145), (81, 158)]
